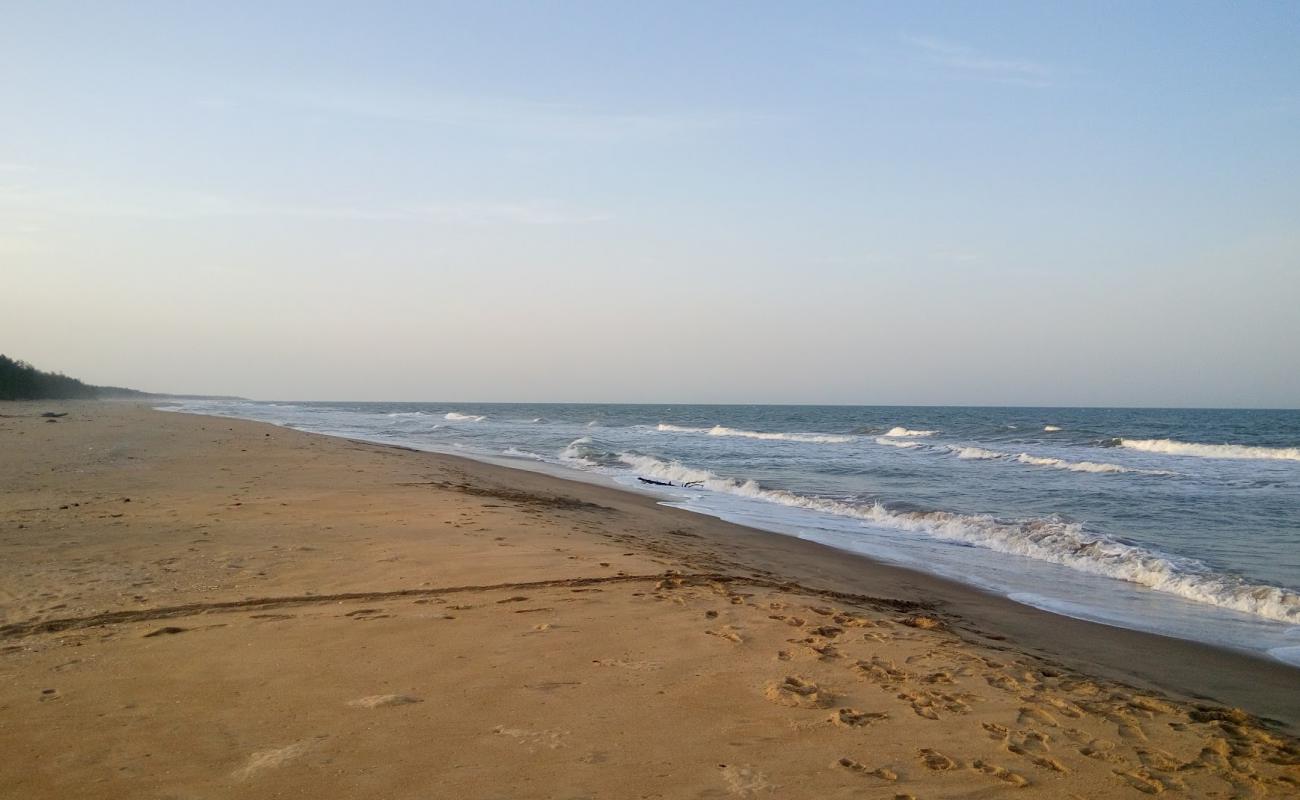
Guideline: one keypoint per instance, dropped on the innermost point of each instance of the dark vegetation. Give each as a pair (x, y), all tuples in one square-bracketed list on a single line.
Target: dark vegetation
[(21, 381)]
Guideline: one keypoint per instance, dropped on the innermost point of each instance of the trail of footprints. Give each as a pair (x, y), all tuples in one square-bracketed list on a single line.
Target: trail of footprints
[(1062, 724)]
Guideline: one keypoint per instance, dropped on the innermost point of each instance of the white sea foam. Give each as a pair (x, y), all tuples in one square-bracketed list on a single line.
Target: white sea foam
[(981, 454), (1052, 540), (718, 430), (400, 414), (1082, 466), (575, 451), (517, 453), (900, 431), (976, 453), (1176, 448), (1050, 428), (896, 442), (458, 417)]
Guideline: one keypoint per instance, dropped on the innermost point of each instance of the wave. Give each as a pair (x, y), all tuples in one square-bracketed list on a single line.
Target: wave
[(405, 414), (718, 430), (975, 453), (1083, 466), (457, 417), (980, 454), (900, 431), (896, 442), (585, 452), (517, 453), (1050, 428), (1044, 539), (1173, 447)]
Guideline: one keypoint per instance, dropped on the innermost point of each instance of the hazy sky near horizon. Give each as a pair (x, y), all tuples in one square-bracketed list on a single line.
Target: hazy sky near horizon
[(968, 203)]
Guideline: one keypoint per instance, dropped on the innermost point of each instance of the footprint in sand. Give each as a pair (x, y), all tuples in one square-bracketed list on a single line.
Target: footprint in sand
[(851, 718), (1102, 750), (935, 760), (552, 739), (745, 781), (798, 692), (884, 773), (1031, 714), (1141, 782), (1001, 773), (728, 634), (382, 700), (268, 759)]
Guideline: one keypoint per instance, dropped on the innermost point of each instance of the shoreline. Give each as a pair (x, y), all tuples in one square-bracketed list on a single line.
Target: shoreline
[(1077, 642), (1038, 531), (288, 612)]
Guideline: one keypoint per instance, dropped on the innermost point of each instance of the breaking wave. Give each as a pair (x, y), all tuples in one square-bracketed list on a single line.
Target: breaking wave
[(896, 442), (1082, 466), (975, 453), (1051, 428), (900, 431), (1173, 447), (585, 452), (1046, 539), (515, 452), (980, 454), (457, 417), (718, 430)]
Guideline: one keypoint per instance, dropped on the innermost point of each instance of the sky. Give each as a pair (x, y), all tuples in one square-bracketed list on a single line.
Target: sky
[(857, 203)]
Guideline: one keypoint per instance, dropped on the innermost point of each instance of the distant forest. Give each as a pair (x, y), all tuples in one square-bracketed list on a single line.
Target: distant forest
[(21, 381)]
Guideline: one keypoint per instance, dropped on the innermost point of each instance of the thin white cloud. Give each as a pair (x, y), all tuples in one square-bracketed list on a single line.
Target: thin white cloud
[(970, 63), (168, 206), (527, 118)]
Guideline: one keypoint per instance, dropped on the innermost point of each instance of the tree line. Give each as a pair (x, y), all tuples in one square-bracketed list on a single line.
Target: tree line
[(22, 381)]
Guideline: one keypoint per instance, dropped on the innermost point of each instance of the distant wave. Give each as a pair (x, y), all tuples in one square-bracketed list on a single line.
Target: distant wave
[(1082, 466), (1050, 428), (402, 414), (1173, 447), (1049, 539), (896, 442), (457, 417), (718, 430), (900, 431), (976, 453), (980, 454)]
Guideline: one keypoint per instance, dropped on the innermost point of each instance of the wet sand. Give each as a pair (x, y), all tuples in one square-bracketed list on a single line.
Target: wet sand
[(201, 607)]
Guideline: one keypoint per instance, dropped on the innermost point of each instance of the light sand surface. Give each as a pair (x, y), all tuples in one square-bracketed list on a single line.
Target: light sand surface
[(193, 607)]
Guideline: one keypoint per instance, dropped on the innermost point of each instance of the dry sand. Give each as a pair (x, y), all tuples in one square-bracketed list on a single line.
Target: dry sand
[(193, 607)]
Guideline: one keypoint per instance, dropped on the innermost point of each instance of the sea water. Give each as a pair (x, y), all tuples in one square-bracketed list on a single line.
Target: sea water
[(1175, 521)]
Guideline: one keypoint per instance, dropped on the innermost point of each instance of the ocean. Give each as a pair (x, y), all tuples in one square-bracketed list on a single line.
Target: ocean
[(1176, 521)]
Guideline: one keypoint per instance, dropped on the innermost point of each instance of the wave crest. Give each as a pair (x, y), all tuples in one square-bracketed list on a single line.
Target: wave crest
[(901, 431), (1083, 466), (454, 416), (719, 430), (896, 442), (1174, 447), (1049, 539)]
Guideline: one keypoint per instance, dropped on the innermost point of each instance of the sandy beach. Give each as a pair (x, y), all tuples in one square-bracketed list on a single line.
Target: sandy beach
[(193, 607)]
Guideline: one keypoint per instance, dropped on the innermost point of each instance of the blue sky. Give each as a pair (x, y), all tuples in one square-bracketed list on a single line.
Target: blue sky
[(734, 202)]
